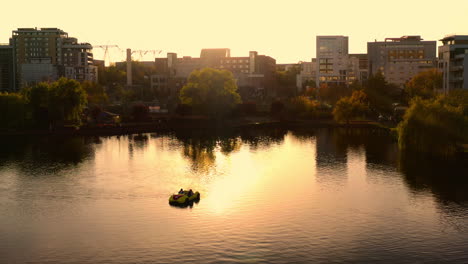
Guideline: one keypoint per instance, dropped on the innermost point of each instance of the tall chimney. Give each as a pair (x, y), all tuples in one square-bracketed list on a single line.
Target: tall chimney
[(129, 67)]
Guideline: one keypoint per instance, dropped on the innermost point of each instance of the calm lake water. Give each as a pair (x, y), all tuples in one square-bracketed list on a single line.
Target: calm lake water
[(270, 196)]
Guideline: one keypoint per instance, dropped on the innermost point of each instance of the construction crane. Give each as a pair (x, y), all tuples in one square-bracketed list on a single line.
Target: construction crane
[(106, 50), (144, 52), (129, 61)]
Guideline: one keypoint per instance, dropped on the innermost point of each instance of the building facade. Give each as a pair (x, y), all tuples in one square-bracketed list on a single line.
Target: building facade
[(51, 52), (399, 59), (332, 60), (308, 73), (358, 68), (78, 60), (453, 62), (7, 70)]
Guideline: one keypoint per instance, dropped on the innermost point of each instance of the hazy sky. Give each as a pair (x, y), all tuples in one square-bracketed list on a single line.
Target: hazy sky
[(284, 30)]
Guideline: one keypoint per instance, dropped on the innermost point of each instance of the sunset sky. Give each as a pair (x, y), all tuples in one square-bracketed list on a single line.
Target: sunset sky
[(284, 30)]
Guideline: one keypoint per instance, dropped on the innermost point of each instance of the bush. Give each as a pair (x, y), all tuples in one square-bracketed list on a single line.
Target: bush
[(433, 127), (302, 106)]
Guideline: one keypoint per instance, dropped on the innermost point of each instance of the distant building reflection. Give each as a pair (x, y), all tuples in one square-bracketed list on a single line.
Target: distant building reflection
[(331, 156)]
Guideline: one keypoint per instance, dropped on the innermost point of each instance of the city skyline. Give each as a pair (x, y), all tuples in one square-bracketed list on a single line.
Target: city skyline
[(285, 32)]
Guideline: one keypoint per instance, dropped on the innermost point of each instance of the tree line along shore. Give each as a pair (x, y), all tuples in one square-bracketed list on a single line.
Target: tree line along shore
[(421, 118)]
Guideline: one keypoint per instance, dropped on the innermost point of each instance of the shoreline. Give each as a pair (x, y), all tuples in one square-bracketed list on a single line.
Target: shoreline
[(138, 128)]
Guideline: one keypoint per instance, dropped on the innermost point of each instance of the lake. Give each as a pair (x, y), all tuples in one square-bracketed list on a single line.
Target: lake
[(267, 196)]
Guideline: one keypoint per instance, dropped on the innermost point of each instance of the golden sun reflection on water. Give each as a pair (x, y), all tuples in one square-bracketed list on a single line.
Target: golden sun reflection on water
[(226, 190)]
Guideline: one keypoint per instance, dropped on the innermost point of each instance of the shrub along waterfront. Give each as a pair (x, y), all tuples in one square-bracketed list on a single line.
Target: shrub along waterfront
[(436, 126)]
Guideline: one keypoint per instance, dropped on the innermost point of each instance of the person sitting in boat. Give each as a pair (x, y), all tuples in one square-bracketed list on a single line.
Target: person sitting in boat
[(190, 193), (181, 191)]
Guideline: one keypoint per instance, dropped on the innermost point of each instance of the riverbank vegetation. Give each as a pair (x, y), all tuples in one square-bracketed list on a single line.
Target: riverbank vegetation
[(436, 126), (433, 123), (43, 105)]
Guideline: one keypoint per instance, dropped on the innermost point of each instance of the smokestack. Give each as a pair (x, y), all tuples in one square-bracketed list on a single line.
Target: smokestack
[(129, 67)]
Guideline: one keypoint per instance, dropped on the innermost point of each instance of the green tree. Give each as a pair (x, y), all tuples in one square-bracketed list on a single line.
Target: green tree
[(433, 127), (211, 92), (286, 81), (351, 107), (38, 97), (424, 84), (113, 75), (96, 95), (381, 94), (67, 100)]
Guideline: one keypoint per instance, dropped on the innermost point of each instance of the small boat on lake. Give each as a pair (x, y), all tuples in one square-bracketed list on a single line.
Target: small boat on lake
[(184, 197)]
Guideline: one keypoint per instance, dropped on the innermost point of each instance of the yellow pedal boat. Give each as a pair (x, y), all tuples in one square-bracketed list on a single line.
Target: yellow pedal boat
[(184, 198)]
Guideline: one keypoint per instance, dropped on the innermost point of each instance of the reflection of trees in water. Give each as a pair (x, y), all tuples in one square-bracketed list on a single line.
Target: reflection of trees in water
[(446, 179), (262, 137), (137, 142), (33, 153), (333, 146), (200, 153), (200, 146), (140, 141)]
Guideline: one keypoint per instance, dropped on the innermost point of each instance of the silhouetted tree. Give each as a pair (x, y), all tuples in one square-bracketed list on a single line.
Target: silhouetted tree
[(211, 92)]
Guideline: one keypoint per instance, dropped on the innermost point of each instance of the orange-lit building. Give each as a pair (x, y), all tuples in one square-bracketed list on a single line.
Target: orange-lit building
[(399, 59)]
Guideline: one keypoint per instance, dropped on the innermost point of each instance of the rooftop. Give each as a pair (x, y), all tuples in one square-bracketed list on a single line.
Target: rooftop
[(455, 37), (404, 38)]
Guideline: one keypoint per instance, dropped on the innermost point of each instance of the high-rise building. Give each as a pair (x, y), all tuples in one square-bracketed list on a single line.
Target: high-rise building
[(48, 53), (7, 71), (332, 60), (453, 62), (399, 59), (358, 68), (78, 60)]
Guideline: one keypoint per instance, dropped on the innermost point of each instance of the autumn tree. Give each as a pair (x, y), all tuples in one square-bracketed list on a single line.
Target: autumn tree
[(350, 107), (424, 84)]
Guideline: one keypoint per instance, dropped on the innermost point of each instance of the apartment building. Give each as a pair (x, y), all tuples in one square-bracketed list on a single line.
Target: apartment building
[(358, 68), (453, 62), (332, 60), (48, 53), (399, 59)]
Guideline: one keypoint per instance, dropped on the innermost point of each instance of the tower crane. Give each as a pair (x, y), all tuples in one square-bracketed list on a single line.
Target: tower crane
[(144, 52), (129, 61), (106, 50)]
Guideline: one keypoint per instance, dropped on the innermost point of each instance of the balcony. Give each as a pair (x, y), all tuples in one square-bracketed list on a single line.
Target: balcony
[(456, 68)]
